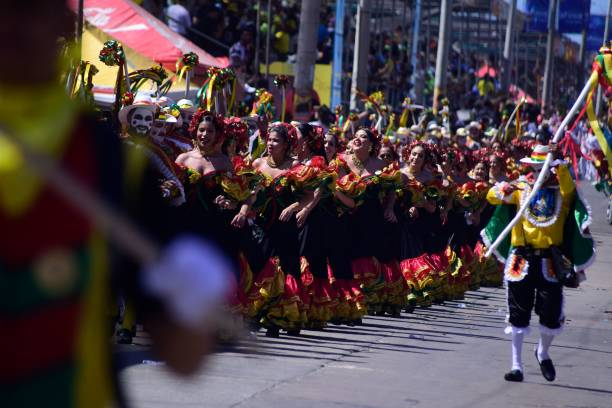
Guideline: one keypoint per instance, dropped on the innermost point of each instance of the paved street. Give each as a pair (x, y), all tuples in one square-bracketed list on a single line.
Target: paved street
[(451, 355)]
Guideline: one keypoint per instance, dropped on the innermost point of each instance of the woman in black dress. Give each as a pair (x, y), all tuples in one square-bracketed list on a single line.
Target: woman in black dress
[(364, 179), (423, 243), (212, 192), (310, 181), (275, 299)]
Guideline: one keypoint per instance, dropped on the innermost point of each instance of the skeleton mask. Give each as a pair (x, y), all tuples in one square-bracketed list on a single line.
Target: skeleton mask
[(157, 130), (187, 116), (141, 120)]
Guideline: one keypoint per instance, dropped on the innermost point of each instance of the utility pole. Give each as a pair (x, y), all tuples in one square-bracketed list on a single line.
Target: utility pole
[(268, 36), (507, 69), (581, 57), (362, 49), (605, 42), (546, 90), (307, 47), (257, 38), (416, 25), (336, 94), (442, 54)]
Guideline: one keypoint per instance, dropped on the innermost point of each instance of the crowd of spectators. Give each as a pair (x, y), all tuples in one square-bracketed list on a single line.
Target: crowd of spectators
[(229, 29)]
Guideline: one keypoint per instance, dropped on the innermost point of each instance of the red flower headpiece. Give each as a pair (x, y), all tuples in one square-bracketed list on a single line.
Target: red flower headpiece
[(238, 130), (429, 155), (291, 131), (202, 115)]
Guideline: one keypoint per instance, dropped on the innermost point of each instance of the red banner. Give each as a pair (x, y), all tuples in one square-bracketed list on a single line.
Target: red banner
[(145, 34)]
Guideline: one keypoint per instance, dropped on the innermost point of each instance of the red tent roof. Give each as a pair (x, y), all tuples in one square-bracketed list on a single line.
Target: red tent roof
[(139, 30)]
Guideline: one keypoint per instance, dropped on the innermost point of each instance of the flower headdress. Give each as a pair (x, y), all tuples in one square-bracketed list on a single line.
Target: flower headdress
[(291, 132), (201, 115), (237, 130), (429, 156)]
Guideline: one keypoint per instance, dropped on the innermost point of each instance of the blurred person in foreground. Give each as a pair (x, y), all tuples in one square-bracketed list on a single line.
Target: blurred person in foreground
[(55, 264)]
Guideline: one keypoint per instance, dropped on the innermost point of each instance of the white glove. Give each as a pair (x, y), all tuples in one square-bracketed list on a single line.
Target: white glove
[(193, 279)]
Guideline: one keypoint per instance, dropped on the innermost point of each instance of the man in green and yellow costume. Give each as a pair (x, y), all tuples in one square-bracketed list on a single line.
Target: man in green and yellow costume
[(551, 234)]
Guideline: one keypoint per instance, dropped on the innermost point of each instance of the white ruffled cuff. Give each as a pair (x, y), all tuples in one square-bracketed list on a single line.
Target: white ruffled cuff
[(499, 193), (552, 332), (518, 330)]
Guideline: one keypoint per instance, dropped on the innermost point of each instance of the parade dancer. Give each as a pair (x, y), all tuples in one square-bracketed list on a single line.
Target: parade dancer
[(275, 299), (536, 256), (422, 239), (369, 184), (213, 193), (309, 177)]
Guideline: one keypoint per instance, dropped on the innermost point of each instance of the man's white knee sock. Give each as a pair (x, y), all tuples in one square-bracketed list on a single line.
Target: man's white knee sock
[(544, 345), (517, 349)]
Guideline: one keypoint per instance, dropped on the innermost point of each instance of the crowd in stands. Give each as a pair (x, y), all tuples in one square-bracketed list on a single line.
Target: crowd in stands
[(229, 29)]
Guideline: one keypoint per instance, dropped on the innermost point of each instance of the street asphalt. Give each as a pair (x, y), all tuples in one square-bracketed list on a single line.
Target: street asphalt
[(450, 355)]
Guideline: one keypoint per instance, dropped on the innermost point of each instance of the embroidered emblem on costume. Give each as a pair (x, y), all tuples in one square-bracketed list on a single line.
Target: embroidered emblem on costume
[(548, 271), (56, 272), (543, 210), (516, 268)]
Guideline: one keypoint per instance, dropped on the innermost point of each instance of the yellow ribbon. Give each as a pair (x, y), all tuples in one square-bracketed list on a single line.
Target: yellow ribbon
[(346, 125), (232, 98), (594, 123), (181, 69), (209, 92)]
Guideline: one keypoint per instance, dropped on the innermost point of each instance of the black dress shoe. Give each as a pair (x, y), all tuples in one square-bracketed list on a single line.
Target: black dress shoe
[(273, 332), (124, 336), (514, 376), (547, 368)]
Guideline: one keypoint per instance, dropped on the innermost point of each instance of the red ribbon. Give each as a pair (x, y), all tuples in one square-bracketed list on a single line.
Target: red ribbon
[(569, 144)]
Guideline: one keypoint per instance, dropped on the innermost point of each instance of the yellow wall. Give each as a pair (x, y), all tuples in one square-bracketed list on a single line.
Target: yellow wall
[(322, 79)]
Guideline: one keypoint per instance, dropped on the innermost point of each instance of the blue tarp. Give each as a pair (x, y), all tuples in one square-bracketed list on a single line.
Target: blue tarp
[(573, 15), (595, 32), (537, 10)]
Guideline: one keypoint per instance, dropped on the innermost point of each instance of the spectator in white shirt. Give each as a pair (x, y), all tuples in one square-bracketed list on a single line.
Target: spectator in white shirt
[(241, 50), (179, 19)]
